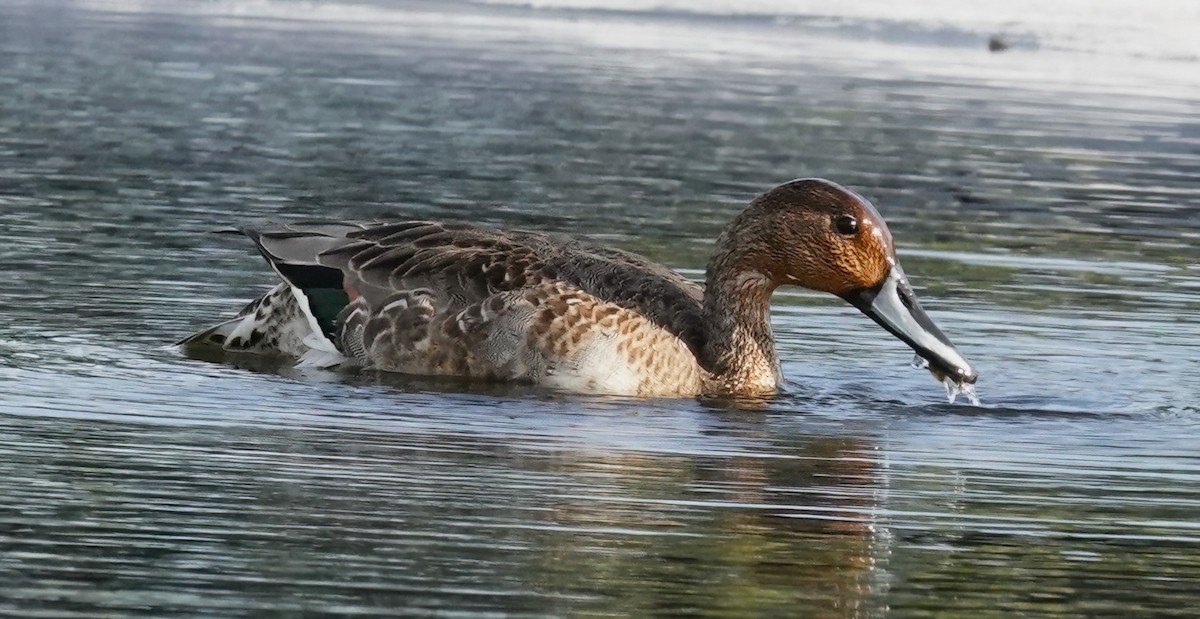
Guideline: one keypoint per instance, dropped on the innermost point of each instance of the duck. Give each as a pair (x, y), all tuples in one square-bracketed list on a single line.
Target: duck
[(467, 300)]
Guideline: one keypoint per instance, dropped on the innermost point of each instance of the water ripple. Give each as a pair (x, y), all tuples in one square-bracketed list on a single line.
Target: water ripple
[(1047, 222)]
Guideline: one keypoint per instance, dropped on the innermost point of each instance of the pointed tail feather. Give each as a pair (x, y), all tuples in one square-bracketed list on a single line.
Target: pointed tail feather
[(299, 316), (214, 337), (278, 323)]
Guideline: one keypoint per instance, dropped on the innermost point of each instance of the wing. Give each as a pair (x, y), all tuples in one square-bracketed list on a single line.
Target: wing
[(463, 264)]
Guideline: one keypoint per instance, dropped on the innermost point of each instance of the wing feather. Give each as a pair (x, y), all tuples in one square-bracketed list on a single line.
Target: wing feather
[(462, 264)]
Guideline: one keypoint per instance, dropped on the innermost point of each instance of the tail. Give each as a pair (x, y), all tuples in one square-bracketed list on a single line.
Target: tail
[(298, 317)]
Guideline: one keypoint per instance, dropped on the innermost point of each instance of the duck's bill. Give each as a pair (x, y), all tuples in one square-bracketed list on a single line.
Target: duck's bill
[(894, 306)]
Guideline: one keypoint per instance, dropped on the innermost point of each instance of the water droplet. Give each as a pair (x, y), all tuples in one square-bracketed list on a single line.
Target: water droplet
[(953, 389)]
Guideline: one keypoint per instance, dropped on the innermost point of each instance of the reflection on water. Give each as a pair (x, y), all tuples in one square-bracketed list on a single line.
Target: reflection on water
[(1051, 222), (385, 519)]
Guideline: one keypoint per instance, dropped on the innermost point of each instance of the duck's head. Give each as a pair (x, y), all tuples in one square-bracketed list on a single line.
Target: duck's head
[(820, 235)]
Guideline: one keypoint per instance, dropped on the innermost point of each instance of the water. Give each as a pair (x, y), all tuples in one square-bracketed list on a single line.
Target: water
[(1043, 200)]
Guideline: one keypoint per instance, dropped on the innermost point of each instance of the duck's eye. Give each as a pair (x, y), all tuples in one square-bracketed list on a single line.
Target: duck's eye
[(846, 224)]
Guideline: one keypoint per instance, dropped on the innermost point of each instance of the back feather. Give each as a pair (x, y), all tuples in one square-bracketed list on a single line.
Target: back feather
[(357, 269)]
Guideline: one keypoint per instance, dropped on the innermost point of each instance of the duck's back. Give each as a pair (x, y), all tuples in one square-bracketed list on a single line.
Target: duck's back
[(428, 298)]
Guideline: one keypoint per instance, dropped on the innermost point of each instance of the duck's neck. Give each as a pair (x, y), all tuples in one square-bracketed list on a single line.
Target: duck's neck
[(739, 350)]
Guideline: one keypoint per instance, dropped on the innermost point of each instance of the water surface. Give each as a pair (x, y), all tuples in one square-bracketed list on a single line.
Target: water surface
[(1044, 202)]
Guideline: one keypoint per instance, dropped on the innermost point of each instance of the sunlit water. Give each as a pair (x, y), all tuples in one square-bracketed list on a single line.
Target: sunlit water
[(1044, 201)]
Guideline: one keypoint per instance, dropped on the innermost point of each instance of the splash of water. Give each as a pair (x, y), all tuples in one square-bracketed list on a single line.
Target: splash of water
[(953, 388)]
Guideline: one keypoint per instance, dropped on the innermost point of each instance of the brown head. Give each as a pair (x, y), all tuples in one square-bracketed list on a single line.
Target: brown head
[(816, 234), (820, 235)]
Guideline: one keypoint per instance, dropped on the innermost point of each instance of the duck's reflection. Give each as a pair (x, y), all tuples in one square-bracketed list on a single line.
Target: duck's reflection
[(762, 534), (736, 519)]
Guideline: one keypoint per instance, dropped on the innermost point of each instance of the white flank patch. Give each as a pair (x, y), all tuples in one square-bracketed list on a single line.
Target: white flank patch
[(321, 352)]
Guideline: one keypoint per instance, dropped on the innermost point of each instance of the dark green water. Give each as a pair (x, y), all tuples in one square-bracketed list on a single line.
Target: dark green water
[(1044, 202)]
